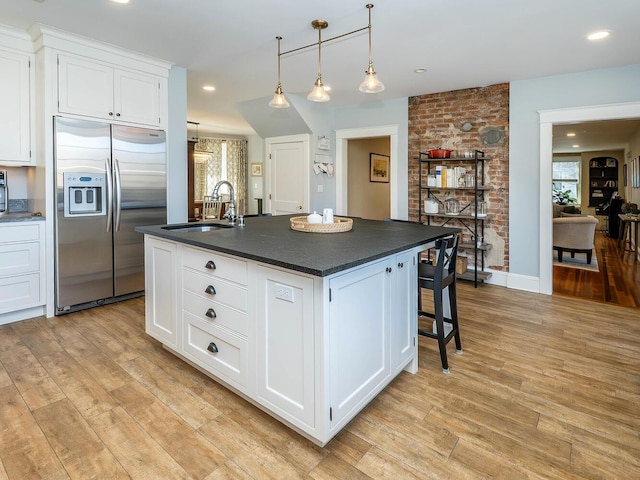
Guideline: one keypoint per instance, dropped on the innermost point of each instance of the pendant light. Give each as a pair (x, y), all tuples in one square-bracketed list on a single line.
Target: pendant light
[(319, 94), (371, 83), (279, 100)]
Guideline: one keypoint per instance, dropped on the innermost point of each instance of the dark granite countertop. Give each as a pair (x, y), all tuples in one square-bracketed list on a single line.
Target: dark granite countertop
[(270, 240), (21, 217)]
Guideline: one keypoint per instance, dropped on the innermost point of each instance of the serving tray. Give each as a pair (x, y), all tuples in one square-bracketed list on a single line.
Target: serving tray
[(340, 224)]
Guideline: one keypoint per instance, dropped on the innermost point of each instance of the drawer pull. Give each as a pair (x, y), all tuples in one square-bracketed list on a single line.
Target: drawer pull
[(210, 290), (210, 265), (213, 348), (211, 313)]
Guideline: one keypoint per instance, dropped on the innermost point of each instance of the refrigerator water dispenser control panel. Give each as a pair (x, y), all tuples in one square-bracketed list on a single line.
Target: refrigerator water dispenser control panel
[(84, 194)]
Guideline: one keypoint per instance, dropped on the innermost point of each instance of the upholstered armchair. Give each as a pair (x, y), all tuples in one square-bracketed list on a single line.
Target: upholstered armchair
[(574, 234)]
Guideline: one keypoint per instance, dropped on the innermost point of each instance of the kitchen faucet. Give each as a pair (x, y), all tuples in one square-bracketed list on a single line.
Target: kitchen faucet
[(231, 210)]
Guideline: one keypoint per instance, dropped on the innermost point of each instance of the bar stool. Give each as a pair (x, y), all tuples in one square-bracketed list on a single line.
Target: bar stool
[(437, 278)]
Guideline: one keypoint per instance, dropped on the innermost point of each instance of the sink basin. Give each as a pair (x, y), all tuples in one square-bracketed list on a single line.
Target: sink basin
[(201, 227)]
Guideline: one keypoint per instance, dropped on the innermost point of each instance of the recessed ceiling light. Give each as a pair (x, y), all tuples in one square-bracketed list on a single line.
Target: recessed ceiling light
[(420, 70), (122, 2), (209, 88), (576, 146), (571, 134), (598, 35)]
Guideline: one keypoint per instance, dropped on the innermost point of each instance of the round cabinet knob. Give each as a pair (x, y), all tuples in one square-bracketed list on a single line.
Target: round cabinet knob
[(213, 348), (210, 265), (210, 290), (117, 114), (211, 313), (400, 265), (111, 114)]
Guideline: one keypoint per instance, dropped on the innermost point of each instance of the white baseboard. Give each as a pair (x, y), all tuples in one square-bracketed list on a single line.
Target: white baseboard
[(514, 281), (21, 315)]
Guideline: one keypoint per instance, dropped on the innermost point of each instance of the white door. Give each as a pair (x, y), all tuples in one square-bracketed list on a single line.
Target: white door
[(288, 174)]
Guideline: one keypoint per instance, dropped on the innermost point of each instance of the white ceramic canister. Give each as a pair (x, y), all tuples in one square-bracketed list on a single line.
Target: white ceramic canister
[(314, 218), (327, 215), (431, 205)]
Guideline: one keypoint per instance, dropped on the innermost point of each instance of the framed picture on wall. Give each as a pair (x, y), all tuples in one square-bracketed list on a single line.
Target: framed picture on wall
[(378, 168), (256, 169)]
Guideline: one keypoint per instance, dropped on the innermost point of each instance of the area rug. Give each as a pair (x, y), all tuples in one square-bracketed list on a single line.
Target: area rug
[(579, 262)]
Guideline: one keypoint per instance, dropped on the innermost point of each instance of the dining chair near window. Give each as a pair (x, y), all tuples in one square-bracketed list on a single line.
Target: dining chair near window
[(211, 209)]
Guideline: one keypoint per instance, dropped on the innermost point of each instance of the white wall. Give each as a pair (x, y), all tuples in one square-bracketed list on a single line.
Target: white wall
[(527, 98), (372, 113), (177, 146)]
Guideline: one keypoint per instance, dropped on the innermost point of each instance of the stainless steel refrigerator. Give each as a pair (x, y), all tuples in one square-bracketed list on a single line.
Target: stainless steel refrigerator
[(108, 180)]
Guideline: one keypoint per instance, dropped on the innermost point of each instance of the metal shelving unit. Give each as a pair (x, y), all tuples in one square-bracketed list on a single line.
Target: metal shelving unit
[(473, 223)]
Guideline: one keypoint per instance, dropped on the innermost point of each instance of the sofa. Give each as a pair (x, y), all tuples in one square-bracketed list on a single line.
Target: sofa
[(574, 234)]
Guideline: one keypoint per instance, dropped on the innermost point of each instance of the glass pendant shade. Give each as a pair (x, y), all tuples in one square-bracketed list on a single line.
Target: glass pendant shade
[(371, 83), (318, 94), (279, 100)]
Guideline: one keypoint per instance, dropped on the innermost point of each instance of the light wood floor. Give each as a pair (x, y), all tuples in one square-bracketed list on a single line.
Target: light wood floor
[(617, 282), (548, 388)]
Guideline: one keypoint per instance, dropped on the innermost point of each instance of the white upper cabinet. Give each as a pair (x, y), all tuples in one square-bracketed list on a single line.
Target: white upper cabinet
[(93, 89), (15, 106)]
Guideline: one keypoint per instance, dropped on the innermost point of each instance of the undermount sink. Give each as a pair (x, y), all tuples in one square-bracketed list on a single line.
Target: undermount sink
[(202, 227)]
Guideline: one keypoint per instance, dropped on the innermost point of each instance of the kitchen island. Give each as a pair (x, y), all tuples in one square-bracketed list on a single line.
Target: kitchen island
[(307, 326)]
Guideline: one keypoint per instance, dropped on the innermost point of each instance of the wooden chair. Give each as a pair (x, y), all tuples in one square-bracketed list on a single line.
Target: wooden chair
[(437, 277), (211, 209)]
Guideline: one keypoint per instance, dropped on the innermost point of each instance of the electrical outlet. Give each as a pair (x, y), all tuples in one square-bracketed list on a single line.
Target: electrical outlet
[(320, 188), (284, 292)]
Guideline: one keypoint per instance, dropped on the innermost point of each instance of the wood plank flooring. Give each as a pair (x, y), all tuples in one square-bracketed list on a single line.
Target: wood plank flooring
[(547, 388), (617, 282)]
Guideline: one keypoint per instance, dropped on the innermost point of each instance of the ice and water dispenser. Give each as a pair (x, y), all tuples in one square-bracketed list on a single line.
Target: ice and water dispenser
[(84, 194)]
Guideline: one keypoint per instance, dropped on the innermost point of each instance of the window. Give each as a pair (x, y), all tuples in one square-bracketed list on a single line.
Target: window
[(566, 175)]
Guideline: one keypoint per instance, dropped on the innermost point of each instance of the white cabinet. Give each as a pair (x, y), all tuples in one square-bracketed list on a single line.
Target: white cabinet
[(161, 290), (359, 336), (403, 318), (214, 314), (312, 351), (285, 344), (21, 257), (15, 107), (93, 89)]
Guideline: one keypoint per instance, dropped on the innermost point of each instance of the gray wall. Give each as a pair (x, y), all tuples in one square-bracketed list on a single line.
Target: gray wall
[(527, 97)]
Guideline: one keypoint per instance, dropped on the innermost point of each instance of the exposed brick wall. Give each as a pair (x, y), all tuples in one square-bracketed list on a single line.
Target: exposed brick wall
[(435, 121)]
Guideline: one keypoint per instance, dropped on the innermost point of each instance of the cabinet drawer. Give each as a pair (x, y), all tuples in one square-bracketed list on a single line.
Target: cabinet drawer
[(231, 359), (20, 291), (19, 258), (225, 293), (224, 316), (224, 267), (19, 233)]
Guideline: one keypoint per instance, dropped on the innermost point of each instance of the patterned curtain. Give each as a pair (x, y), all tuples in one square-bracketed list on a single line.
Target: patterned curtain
[(209, 156), (237, 170)]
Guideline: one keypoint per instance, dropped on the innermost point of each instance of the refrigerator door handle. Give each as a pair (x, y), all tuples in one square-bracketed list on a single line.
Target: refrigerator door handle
[(117, 192), (107, 167)]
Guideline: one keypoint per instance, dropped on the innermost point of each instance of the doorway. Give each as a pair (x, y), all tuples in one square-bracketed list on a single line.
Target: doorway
[(548, 119), (397, 175), (368, 195)]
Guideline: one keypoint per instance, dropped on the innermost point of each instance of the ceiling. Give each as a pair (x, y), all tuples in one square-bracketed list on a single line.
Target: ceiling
[(593, 136), (461, 43)]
